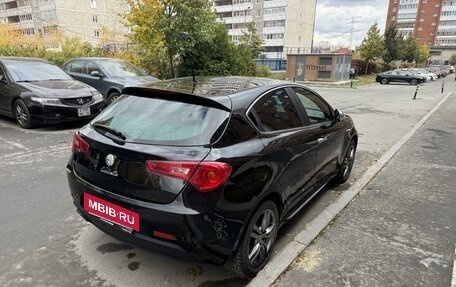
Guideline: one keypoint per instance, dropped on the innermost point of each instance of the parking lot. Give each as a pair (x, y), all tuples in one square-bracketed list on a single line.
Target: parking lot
[(46, 243)]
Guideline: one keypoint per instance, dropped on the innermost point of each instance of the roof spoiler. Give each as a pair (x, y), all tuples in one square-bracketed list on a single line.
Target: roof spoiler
[(177, 96)]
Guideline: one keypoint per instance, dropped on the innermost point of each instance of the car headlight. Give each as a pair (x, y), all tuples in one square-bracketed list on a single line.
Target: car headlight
[(48, 101), (97, 97)]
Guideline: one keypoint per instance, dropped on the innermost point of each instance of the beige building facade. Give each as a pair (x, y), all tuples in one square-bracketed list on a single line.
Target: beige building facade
[(95, 21), (286, 26)]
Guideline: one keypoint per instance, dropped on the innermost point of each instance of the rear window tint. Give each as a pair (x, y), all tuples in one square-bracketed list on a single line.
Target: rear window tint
[(159, 121)]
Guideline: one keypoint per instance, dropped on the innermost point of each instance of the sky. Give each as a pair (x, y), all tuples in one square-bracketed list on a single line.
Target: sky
[(333, 20)]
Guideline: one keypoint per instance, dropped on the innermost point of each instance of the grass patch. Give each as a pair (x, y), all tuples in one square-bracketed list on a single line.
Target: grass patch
[(360, 81)]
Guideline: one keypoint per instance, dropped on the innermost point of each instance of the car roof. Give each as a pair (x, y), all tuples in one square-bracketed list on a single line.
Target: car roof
[(233, 92), (213, 86), (97, 59), (22, 59)]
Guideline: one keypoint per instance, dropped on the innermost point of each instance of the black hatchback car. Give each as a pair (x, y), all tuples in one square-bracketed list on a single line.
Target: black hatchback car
[(34, 91), (208, 170), (107, 75), (403, 76)]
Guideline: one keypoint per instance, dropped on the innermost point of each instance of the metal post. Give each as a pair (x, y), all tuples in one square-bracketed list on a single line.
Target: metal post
[(351, 84), (416, 92), (443, 86)]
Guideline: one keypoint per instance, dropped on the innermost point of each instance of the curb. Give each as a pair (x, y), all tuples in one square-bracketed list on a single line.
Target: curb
[(287, 255)]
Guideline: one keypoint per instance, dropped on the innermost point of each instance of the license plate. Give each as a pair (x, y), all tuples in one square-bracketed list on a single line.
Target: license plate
[(84, 111), (111, 212)]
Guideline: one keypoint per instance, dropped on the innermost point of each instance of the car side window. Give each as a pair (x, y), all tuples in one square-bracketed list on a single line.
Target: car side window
[(91, 67), (276, 111), (76, 67), (2, 73), (317, 110)]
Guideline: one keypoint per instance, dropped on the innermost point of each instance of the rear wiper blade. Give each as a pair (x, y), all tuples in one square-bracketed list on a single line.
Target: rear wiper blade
[(110, 130)]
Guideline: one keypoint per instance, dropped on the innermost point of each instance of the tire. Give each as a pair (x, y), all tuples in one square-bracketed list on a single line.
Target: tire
[(253, 253), (384, 81), (113, 97), (22, 115), (414, 82), (347, 164)]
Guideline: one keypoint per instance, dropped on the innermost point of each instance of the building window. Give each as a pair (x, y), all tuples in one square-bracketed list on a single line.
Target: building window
[(48, 14), (21, 3), (25, 17), (96, 33), (49, 30), (324, 74), (324, 61), (28, 31), (93, 4), (95, 18)]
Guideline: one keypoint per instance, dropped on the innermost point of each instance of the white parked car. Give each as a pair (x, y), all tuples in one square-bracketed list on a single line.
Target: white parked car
[(426, 72)]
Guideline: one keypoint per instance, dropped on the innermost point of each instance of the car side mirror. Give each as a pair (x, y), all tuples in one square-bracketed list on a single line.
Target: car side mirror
[(95, 74), (2, 79), (338, 115)]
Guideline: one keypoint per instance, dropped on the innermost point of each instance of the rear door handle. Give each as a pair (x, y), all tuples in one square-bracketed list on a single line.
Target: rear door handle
[(322, 140)]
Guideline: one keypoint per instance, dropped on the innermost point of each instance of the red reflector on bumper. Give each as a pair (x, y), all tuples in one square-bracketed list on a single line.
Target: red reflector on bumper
[(163, 235)]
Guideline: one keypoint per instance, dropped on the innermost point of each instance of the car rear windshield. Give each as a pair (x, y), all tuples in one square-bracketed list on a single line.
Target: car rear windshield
[(29, 71), (167, 122)]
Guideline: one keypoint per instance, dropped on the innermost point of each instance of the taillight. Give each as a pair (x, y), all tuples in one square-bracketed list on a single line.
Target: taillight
[(79, 144), (204, 176)]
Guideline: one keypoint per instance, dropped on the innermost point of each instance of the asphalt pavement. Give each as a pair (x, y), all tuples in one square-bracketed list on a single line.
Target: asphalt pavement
[(44, 242), (401, 228)]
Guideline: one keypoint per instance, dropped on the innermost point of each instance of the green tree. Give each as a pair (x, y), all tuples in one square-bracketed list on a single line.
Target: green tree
[(453, 59), (217, 55), (410, 50), (372, 46), (250, 47), (158, 25), (392, 40), (251, 39), (423, 54)]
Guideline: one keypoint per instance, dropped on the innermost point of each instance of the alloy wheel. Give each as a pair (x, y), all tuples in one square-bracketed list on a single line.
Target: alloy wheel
[(21, 115), (262, 238), (348, 161)]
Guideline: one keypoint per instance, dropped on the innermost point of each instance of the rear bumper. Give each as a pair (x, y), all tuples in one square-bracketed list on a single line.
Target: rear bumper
[(195, 237)]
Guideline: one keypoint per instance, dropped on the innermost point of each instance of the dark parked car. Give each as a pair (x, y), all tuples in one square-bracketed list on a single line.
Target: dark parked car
[(107, 75), (400, 76), (208, 170), (35, 91)]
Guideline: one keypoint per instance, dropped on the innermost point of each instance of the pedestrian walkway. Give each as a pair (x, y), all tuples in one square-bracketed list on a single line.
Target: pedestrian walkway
[(401, 229)]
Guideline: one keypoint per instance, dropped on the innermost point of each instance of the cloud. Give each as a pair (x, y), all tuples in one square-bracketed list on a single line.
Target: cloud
[(333, 20)]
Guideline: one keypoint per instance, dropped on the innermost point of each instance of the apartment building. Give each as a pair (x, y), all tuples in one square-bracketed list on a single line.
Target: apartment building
[(431, 22), (86, 19), (286, 26)]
